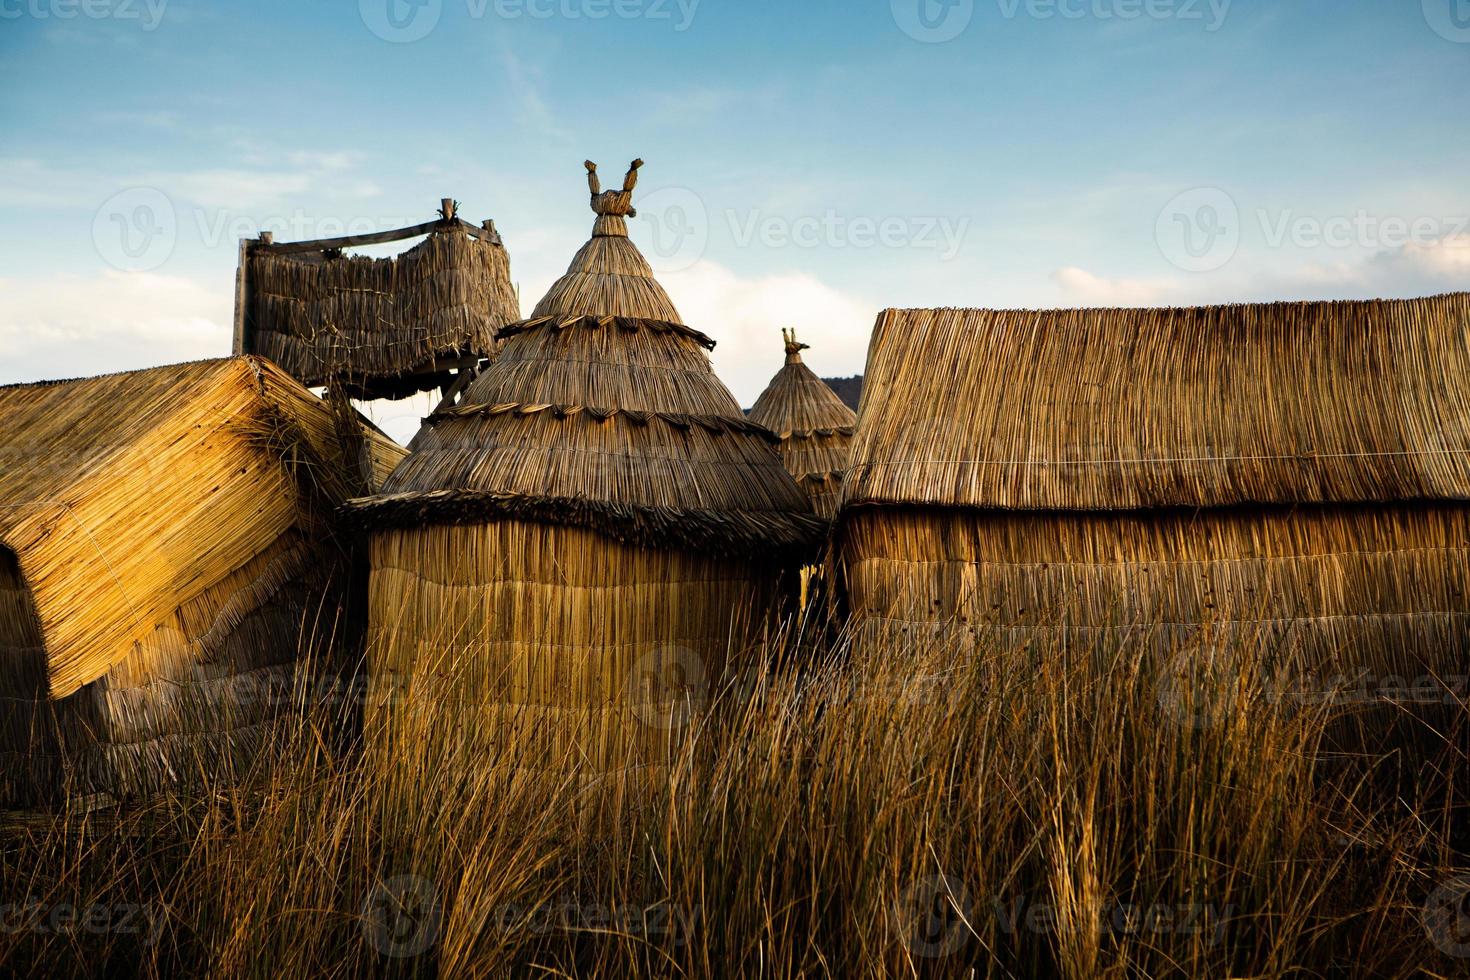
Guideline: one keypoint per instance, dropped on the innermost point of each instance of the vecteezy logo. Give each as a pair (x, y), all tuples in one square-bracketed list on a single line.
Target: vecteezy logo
[(135, 230), (933, 916), (1446, 917), (933, 21), (678, 228), (1450, 19), (400, 919), (668, 686), (400, 21), (1199, 230)]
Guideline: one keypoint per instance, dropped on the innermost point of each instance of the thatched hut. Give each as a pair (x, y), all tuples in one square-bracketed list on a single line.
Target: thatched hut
[(1290, 474), (594, 521), (377, 328), (165, 541), (814, 426)]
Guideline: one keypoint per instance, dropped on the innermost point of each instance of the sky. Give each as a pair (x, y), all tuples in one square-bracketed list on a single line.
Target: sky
[(809, 162)]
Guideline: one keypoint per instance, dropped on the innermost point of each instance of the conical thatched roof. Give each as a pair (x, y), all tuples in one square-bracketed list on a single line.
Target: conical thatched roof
[(814, 426), (602, 411)]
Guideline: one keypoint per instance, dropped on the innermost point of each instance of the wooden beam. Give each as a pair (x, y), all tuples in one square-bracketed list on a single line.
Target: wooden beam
[(381, 237), (242, 298)]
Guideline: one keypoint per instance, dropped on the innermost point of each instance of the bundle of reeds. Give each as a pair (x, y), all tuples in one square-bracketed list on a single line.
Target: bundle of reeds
[(594, 516), (360, 320), (1287, 476), (814, 426), (166, 536)]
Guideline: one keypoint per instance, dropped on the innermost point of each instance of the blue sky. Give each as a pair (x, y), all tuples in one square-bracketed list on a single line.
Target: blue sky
[(808, 163)]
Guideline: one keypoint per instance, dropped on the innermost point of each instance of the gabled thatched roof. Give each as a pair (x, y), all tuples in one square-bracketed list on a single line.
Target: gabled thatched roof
[(814, 426), (1122, 409), (126, 496), (602, 410)]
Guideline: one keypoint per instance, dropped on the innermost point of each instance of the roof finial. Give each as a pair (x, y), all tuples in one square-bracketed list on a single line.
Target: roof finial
[(615, 203), (793, 347)]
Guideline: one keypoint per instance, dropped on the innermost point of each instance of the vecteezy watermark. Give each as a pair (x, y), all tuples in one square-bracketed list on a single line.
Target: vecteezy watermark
[(933, 21), (1450, 19), (402, 916), (668, 686), (933, 917), (1211, 14), (64, 919), (676, 229), (138, 228), (148, 13), (834, 230), (135, 230), (1446, 917), (937, 917), (937, 21), (405, 21), (1199, 230), (1361, 229), (677, 224)]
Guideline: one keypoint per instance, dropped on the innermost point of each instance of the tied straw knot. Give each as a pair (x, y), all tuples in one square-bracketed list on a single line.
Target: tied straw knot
[(613, 203), (793, 346)]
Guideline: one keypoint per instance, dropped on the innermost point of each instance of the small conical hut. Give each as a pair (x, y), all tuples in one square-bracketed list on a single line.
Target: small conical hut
[(814, 426), (377, 327), (167, 556), (594, 530)]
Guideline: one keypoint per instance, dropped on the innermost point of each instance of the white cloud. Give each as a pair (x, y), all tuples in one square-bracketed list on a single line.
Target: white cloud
[(1411, 270), (69, 326), (746, 316)]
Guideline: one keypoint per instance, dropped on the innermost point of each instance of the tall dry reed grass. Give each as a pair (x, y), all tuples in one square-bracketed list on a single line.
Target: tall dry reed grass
[(1055, 812)]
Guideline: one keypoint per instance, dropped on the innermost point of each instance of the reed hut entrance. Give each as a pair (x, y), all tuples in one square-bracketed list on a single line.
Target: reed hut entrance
[(378, 328), (584, 544)]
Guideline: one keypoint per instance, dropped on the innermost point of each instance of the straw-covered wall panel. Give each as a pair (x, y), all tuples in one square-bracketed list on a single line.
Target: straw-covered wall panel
[(540, 625), (366, 318), (1121, 409), (1372, 588)]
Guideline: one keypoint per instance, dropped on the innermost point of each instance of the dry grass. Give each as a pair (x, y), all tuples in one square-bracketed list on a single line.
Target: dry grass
[(1036, 812)]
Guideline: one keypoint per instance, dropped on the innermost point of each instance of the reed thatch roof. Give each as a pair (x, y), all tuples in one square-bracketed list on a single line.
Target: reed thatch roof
[(1282, 403), (379, 327), (814, 426), (602, 411), (123, 498)]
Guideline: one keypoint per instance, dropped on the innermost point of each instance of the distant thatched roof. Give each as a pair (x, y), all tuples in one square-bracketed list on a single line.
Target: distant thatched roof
[(814, 426), (1123, 409), (602, 411), (126, 496), (374, 324)]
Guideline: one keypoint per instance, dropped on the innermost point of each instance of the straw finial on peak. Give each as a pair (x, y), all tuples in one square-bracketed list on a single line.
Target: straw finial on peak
[(613, 203), (793, 347)]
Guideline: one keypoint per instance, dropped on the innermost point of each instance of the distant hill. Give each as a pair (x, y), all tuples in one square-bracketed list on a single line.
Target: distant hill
[(850, 390)]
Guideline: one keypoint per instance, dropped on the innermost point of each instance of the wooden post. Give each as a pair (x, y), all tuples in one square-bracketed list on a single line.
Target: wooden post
[(242, 298), (267, 238), (446, 206)]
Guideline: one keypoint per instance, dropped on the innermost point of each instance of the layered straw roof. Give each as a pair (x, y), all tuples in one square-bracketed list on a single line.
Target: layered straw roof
[(602, 411), (126, 497), (371, 324), (1281, 403), (814, 426)]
